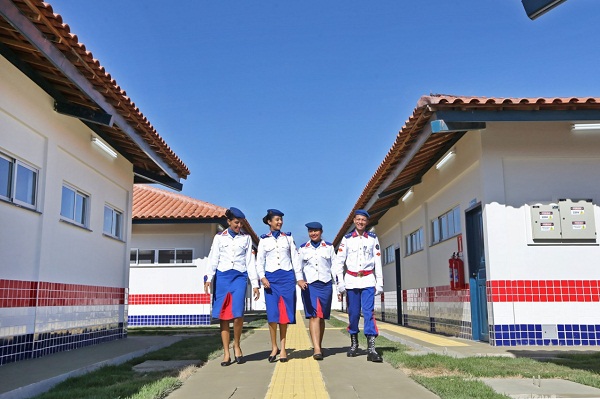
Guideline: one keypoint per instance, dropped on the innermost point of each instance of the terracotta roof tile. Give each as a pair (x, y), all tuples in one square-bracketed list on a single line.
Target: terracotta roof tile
[(155, 203), (58, 33)]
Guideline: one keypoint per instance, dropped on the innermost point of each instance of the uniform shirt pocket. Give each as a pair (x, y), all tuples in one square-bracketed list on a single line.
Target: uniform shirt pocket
[(224, 246), (269, 247), (325, 255), (240, 249)]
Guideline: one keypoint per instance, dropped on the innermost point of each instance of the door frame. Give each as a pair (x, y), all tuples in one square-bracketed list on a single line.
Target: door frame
[(477, 283), (399, 296)]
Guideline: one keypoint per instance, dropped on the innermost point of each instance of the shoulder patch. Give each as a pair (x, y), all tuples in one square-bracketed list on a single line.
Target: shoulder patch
[(328, 243), (371, 234), (264, 236), (348, 235)]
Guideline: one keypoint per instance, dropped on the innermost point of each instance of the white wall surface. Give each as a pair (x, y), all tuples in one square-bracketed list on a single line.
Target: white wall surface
[(529, 163), (456, 184), (36, 244)]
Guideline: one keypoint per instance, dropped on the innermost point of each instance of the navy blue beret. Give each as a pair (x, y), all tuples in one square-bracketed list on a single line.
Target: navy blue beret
[(314, 226), (274, 212), (362, 212), (236, 213)]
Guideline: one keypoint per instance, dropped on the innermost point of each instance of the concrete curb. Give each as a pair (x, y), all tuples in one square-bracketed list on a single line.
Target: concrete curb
[(40, 387)]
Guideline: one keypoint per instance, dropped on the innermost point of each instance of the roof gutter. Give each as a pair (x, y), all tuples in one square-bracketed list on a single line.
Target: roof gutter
[(415, 148), (21, 23)]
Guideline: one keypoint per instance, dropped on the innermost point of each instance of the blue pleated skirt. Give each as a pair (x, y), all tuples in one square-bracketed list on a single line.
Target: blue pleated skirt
[(317, 299), (230, 294), (280, 298)]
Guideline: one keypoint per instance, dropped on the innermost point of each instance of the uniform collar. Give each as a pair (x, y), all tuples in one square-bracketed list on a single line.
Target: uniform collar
[(309, 244), (355, 234), (226, 232)]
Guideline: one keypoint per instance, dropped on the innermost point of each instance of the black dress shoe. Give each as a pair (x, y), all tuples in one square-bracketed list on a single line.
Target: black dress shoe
[(318, 356), (273, 359), (283, 359), (225, 364), (240, 360)]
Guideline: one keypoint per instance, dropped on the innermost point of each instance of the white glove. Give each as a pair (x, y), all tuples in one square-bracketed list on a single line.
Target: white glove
[(341, 288), (378, 290)]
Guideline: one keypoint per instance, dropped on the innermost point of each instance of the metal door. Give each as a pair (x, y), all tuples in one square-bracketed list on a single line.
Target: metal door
[(477, 273), (399, 287)]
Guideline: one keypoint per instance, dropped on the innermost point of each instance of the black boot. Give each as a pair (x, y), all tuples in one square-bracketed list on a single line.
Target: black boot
[(353, 345), (372, 355)]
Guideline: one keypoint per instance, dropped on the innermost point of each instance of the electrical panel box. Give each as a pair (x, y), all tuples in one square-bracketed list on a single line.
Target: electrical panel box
[(545, 222), (577, 220), (567, 221)]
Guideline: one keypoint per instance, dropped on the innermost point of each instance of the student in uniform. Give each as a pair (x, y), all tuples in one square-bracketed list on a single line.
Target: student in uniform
[(316, 257), (231, 263), (360, 252), (278, 269)]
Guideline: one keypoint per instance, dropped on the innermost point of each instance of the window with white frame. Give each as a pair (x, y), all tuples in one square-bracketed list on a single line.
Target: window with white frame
[(18, 182), (445, 226), (113, 222), (74, 205), (171, 255), (414, 241), (142, 256), (388, 255)]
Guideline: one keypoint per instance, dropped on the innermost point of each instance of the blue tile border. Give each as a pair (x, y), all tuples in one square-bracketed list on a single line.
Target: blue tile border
[(532, 334), (169, 320)]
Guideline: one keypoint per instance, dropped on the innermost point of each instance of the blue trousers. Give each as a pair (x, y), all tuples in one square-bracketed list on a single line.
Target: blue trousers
[(361, 298)]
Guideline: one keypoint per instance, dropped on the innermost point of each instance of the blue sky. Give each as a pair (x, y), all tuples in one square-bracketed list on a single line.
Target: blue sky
[(293, 105)]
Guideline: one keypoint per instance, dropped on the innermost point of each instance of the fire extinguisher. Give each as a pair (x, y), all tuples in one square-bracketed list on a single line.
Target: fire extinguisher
[(451, 270), (459, 272)]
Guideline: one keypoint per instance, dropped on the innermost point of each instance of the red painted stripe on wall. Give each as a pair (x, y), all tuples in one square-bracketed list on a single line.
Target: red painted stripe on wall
[(513, 291), (169, 299), (17, 293), (543, 290)]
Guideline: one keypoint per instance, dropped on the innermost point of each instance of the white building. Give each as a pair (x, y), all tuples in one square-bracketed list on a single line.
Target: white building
[(71, 146), (516, 198), (170, 242)]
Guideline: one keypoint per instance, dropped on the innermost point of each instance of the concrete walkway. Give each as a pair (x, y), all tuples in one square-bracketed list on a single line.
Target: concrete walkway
[(337, 376)]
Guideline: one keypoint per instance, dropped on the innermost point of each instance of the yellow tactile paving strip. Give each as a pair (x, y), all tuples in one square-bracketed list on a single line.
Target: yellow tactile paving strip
[(422, 336), (299, 377)]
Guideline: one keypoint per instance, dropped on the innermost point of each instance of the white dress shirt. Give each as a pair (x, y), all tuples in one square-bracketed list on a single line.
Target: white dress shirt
[(361, 253), (277, 254), (229, 252), (317, 263)]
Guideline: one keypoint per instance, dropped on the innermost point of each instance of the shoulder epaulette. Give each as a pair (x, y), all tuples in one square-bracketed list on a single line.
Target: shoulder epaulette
[(371, 234), (264, 236), (328, 243), (348, 235), (286, 234)]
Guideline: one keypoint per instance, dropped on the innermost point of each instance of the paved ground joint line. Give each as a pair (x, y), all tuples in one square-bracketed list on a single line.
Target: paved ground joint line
[(301, 376)]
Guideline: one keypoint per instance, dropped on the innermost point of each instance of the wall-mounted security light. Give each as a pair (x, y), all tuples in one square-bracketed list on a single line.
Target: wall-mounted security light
[(407, 195), (585, 127), (104, 147), (445, 159), (536, 8)]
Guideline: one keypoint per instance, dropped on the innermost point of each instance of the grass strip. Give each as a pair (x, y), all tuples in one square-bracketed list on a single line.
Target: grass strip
[(121, 381), (450, 377)]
